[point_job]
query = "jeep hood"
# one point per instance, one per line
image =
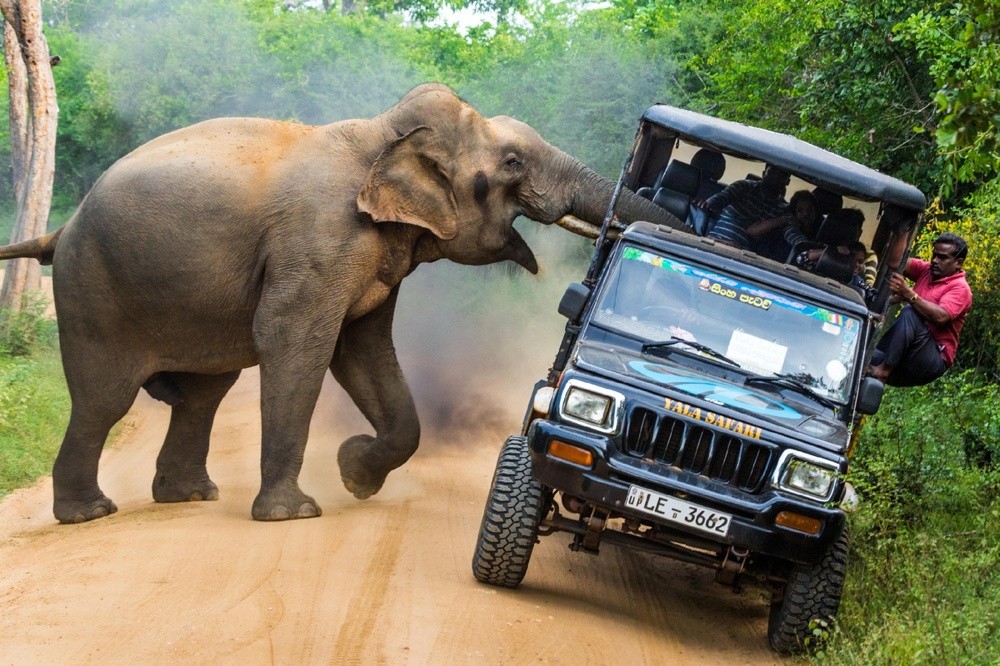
(760, 402)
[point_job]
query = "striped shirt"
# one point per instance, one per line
(741, 204)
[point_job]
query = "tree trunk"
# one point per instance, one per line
(33, 114)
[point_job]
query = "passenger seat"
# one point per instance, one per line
(680, 183)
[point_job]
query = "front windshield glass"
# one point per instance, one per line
(768, 333)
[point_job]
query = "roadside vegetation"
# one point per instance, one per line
(909, 87)
(34, 402)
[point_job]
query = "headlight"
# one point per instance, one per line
(807, 477)
(592, 406)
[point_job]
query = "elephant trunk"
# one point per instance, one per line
(590, 204)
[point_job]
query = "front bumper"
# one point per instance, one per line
(606, 484)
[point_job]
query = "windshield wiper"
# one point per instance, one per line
(674, 340)
(790, 381)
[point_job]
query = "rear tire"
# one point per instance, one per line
(809, 600)
(514, 510)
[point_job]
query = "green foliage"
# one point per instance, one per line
(34, 404)
(831, 72)
(23, 332)
(962, 42)
(923, 586)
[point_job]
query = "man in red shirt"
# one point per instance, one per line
(921, 344)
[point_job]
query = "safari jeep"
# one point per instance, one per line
(705, 400)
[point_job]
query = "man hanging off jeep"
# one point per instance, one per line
(921, 344)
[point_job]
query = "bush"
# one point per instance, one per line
(34, 405)
(23, 332)
(923, 586)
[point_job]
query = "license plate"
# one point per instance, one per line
(678, 511)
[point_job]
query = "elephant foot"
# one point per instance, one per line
(69, 512)
(360, 475)
(168, 490)
(284, 505)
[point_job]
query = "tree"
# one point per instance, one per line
(33, 113)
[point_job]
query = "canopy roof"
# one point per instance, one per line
(818, 166)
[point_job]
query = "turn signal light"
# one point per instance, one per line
(574, 454)
(799, 523)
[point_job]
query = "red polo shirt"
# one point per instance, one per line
(951, 293)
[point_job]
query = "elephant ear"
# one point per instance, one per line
(407, 183)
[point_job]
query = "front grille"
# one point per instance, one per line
(684, 444)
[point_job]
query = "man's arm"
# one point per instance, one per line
(719, 201)
(761, 227)
(929, 310)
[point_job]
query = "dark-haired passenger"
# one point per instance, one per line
(744, 202)
(921, 344)
(775, 237)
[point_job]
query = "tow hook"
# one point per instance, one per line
(732, 566)
(590, 540)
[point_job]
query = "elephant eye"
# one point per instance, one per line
(513, 162)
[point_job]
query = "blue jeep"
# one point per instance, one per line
(705, 400)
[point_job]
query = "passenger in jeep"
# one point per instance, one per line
(921, 344)
(744, 202)
(774, 238)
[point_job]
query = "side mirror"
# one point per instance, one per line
(870, 395)
(573, 301)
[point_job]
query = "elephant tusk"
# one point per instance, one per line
(585, 229)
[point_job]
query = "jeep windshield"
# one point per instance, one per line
(657, 299)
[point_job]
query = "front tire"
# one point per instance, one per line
(513, 513)
(809, 600)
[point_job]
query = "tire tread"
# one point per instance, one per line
(511, 518)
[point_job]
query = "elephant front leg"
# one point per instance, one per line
(365, 364)
(294, 350)
(181, 472)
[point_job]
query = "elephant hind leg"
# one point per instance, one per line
(97, 406)
(181, 471)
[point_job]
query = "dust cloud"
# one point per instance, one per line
(473, 341)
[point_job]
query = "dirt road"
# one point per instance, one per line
(385, 581)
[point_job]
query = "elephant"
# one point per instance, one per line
(240, 242)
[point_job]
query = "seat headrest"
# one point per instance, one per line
(681, 177)
(674, 202)
(827, 201)
(841, 227)
(712, 163)
(834, 265)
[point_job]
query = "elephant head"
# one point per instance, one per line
(465, 178)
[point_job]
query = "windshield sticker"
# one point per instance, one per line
(832, 329)
(720, 393)
(711, 418)
(731, 288)
(716, 288)
(756, 354)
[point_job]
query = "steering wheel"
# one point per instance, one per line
(663, 314)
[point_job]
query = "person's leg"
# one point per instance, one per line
(907, 354)
(922, 365)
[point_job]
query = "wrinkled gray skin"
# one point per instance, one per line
(239, 242)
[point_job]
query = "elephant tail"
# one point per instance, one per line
(41, 248)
